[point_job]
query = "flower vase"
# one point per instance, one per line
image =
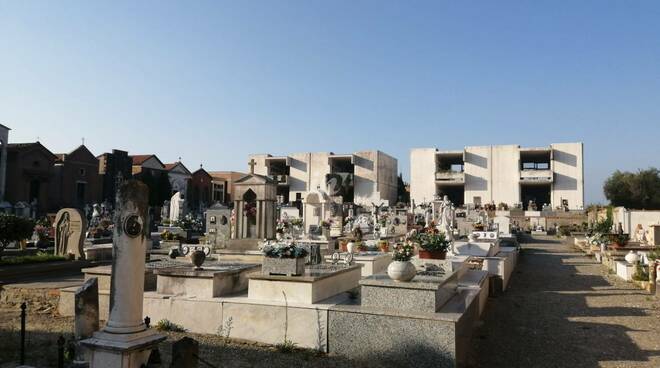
(351, 247)
(401, 271)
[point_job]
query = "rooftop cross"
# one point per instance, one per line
(252, 163)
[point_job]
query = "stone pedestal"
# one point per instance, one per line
(121, 350)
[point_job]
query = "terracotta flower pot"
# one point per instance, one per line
(432, 254)
(343, 246)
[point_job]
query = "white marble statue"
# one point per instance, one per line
(640, 234)
(176, 206)
(446, 217)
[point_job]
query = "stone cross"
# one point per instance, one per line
(252, 163)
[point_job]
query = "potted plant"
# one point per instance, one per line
(400, 269)
(433, 245)
(621, 240)
(283, 259)
(14, 229)
(384, 246)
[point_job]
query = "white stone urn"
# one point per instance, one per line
(351, 247)
(632, 257)
(401, 271)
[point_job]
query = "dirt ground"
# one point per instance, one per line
(43, 330)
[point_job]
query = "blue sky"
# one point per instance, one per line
(214, 81)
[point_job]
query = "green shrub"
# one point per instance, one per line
(165, 325)
(37, 258)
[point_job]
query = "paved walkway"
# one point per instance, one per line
(564, 310)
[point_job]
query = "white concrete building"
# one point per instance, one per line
(363, 177)
(507, 173)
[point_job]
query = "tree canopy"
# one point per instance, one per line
(13, 229)
(640, 190)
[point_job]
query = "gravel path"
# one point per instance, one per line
(564, 310)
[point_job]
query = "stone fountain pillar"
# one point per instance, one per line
(125, 341)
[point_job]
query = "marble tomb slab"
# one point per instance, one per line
(210, 282)
(374, 262)
(477, 249)
(319, 282)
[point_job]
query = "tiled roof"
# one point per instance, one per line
(140, 159)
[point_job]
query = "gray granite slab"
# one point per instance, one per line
(427, 292)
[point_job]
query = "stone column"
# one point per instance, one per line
(128, 249)
(125, 341)
(258, 220)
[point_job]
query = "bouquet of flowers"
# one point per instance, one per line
(283, 250)
(41, 231)
(403, 252)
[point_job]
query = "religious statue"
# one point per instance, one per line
(446, 217)
(96, 216)
(176, 206)
(640, 234)
(62, 233)
(165, 210)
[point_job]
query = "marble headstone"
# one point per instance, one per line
(70, 226)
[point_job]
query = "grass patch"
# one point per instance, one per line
(286, 347)
(165, 325)
(37, 258)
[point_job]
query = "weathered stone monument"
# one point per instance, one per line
(86, 309)
(70, 226)
(125, 341)
(218, 225)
